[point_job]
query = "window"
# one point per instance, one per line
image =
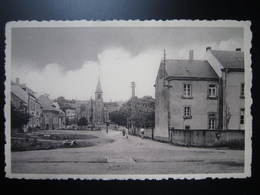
(242, 116)
(212, 121)
(187, 90)
(187, 112)
(242, 90)
(187, 127)
(212, 93)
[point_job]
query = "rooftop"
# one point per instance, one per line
(47, 104)
(229, 59)
(189, 68)
(19, 92)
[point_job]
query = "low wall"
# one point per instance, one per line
(208, 138)
(148, 133)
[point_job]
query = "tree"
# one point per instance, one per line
(83, 107)
(19, 118)
(118, 117)
(138, 112)
(83, 121)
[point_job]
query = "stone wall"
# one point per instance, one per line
(208, 138)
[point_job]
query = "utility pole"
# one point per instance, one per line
(133, 88)
(131, 107)
(167, 86)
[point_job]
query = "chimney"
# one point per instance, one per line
(191, 55)
(238, 49)
(208, 48)
(17, 81)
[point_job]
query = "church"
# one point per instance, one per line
(98, 105)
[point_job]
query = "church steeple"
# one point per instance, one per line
(99, 105)
(99, 88)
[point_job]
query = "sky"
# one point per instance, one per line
(68, 61)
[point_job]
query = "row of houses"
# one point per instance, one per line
(196, 94)
(45, 113)
(42, 112)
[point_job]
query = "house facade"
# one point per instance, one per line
(25, 96)
(200, 94)
(229, 65)
(53, 117)
(19, 98)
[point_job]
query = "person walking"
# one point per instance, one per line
(126, 132)
(123, 131)
(107, 124)
(142, 132)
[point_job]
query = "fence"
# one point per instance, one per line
(208, 138)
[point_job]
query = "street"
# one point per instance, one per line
(128, 156)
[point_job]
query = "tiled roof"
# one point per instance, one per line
(19, 92)
(187, 68)
(230, 59)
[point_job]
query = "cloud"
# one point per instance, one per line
(118, 68)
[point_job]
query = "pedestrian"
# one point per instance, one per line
(126, 133)
(142, 133)
(123, 131)
(107, 124)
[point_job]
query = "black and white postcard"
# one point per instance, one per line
(128, 99)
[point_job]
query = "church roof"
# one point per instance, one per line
(99, 88)
(188, 68)
(230, 59)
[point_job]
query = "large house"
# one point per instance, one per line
(200, 94)
(229, 66)
(23, 95)
(19, 98)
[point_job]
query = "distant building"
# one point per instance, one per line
(53, 117)
(95, 111)
(71, 113)
(200, 94)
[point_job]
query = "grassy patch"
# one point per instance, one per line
(40, 141)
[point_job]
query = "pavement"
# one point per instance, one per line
(128, 156)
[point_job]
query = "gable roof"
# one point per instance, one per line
(19, 92)
(188, 68)
(230, 59)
